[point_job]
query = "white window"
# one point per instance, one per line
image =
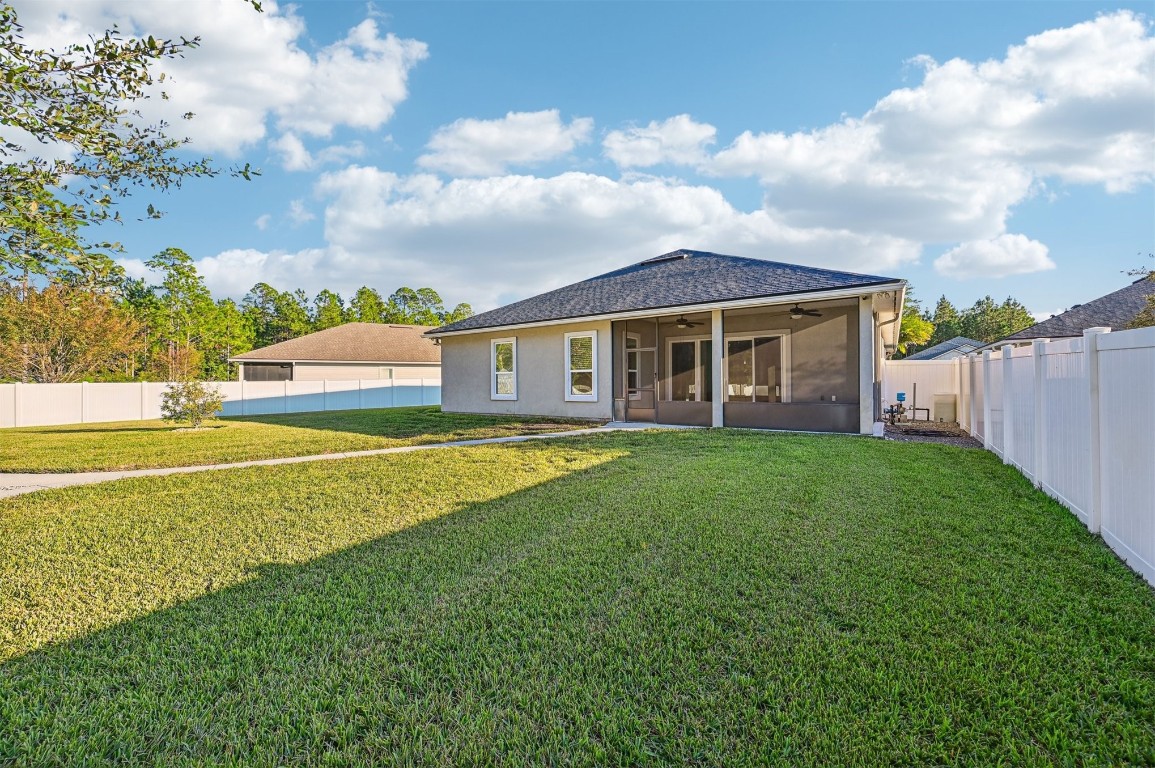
(581, 366)
(503, 369)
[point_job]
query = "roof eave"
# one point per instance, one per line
(752, 301)
(333, 362)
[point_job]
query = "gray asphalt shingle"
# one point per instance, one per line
(679, 278)
(1115, 310)
(354, 342)
(943, 347)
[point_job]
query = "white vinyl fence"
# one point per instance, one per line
(32, 405)
(1076, 416)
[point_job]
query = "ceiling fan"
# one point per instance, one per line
(682, 322)
(797, 312)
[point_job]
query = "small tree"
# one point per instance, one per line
(191, 402)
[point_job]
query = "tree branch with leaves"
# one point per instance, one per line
(75, 143)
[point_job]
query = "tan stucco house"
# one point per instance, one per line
(346, 352)
(689, 337)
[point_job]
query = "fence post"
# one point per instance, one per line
(360, 395)
(972, 414)
(1008, 405)
(285, 402)
(958, 391)
(987, 399)
(1091, 357)
(1040, 437)
(242, 396)
(17, 405)
(143, 398)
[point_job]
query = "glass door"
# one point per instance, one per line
(754, 370)
(640, 368)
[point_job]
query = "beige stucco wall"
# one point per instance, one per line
(541, 385)
(353, 371)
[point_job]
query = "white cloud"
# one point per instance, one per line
(298, 214)
(296, 157)
(1004, 255)
(948, 160)
(677, 140)
(262, 221)
(471, 147)
(251, 69)
(497, 239)
(234, 272)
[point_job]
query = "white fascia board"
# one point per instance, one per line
(790, 298)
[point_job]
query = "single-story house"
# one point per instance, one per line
(689, 337)
(1116, 310)
(349, 351)
(959, 346)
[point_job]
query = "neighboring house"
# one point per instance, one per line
(1115, 311)
(350, 351)
(959, 346)
(688, 338)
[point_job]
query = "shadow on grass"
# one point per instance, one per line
(709, 599)
(409, 421)
(96, 428)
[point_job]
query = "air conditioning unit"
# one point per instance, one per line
(945, 408)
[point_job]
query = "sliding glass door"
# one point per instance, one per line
(754, 370)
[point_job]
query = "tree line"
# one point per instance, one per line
(984, 321)
(74, 327)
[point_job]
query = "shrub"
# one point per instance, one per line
(191, 402)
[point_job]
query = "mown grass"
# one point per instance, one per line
(710, 598)
(146, 444)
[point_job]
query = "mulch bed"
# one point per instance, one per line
(931, 432)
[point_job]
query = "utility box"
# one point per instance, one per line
(945, 408)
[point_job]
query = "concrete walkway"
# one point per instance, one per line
(18, 484)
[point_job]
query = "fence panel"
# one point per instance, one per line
(921, 380)
(29, 405)
(1127, 445)
(1020, 389)
(994, 399)
(978, 395)
(1067, 424)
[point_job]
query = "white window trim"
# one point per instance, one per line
(493, 394)
(570, 397)
(698, 384)
(751, 335)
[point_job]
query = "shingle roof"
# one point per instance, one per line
(679, 278)
(355, 342)
(1115, 310)
(960, 344)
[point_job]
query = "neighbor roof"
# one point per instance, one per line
(960, 344)
(676, 279)
(353, 342)
(1115, 310)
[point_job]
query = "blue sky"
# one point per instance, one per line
(495, 150)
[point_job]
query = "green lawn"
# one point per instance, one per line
(142, 444)
(698, 597)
